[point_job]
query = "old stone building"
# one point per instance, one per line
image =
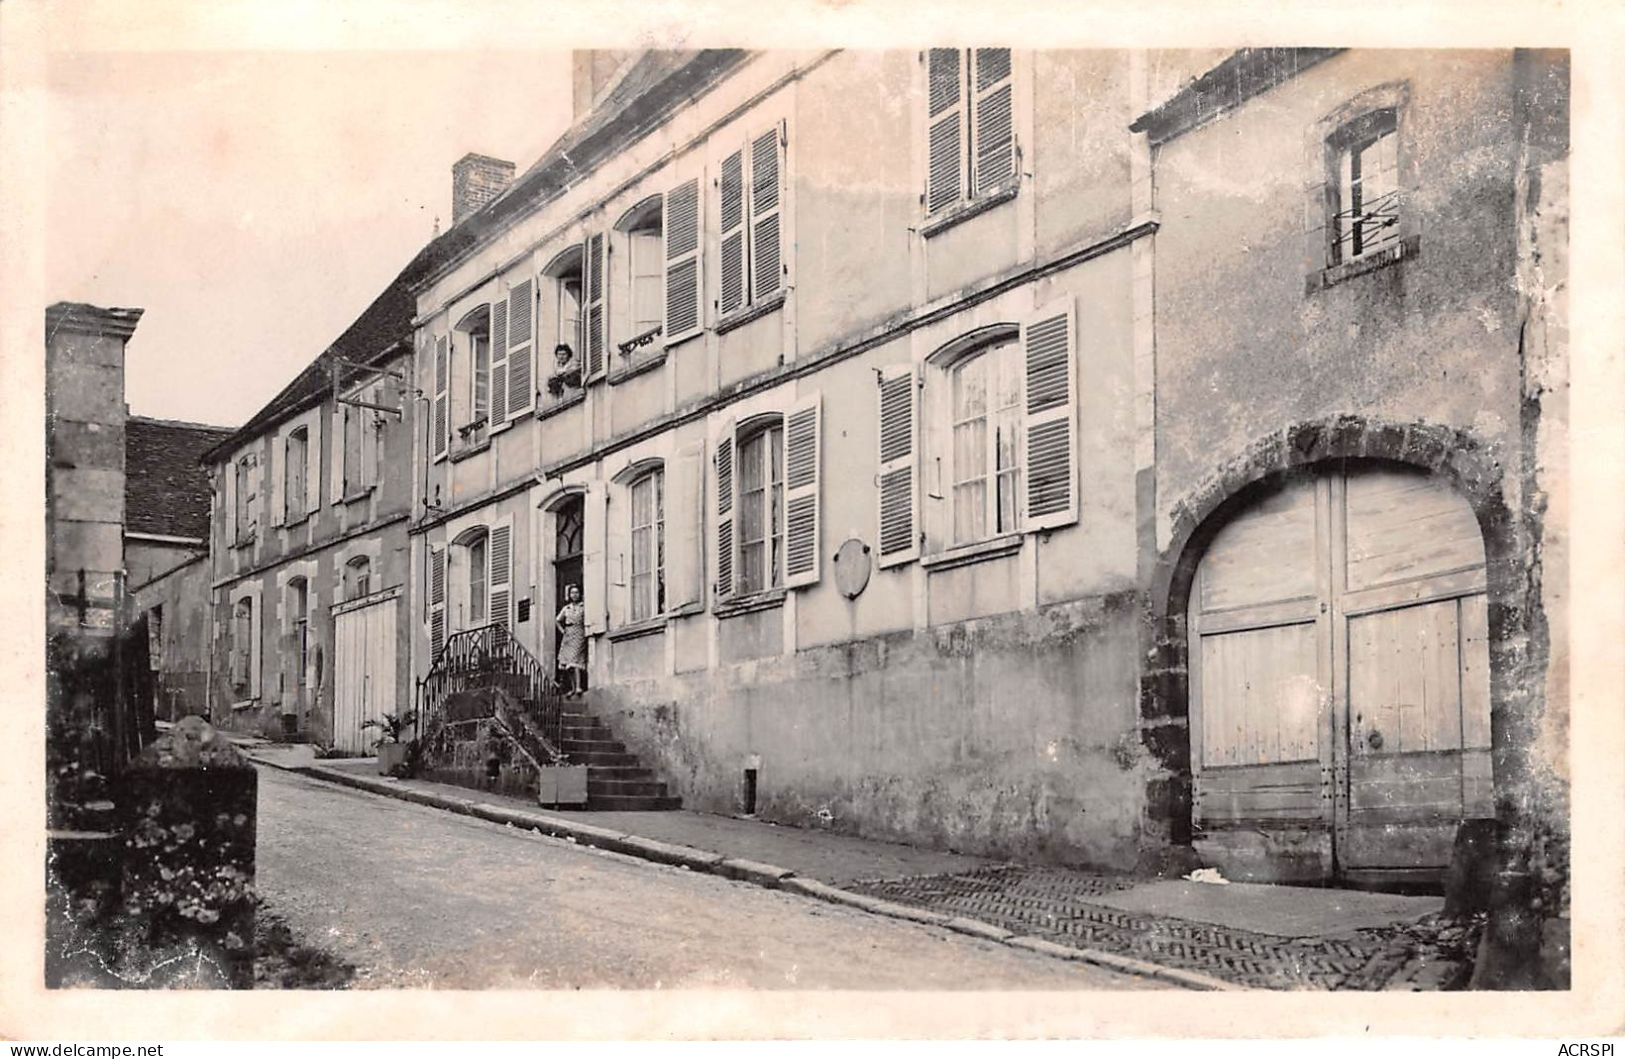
(308, 548)
(166, 547)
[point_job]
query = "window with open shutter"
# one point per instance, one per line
(441, 426)
(766, 176)
(731, 213)
(723, 457)
(593, 294)
(499, 362)
(993, 130)
(801, 478)
(945, 128)
(521, 348)
(681, 222)
(1049, 352)
(899, 441)
(437, 600)
(501, 563)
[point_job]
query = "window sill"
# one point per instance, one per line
(360, 494)
(473, 448)
(555, 406)
(965, 554)
(245, 542)
(296, 522)
(637, 629)
(964, 211)
(1408, 247)
(245, 704)
(648, 362)
(745, 314)
(771, 599)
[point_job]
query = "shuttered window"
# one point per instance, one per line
(751, 192)
(441, 426)
(437, 600)
(970, 148)
(768, 519)
(499, 363)
(985, 444)
(479, 359)
(475, 555)
(761, 507)
(500, 566)
(521, 329)
(1049, 373)
(648, 540)
(899, 440)
(295, 460)
(682, 265)
(593, 336)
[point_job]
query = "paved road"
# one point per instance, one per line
(418, 897)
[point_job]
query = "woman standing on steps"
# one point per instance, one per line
(572, 626)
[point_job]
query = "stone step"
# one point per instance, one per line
(580, 747)
(632, 802)
(601, 731)
(618, 772)
(597, 787)
(605, 759)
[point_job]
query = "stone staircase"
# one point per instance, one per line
(616, 779)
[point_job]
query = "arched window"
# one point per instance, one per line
(476, 329)
(357, 577)
(761, 505)
(985, 447)
(642, 230)
(648, 575)
(474, 577)
(293, 475)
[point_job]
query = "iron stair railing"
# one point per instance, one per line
(489, 657)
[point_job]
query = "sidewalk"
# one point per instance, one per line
(1196, 935)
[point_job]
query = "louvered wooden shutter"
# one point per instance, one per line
(802, 438)
(437, 601)
(723, 457)
(521, 348)
(593, 309)
(335, 458)
(681, 224)
(766, 191)
(731, 218)
(253, 505)
(229, 519)
(500, 559)
(594, 590)
(499, 362)
(279, 462)
(945, 128)
(442, 410)
(899, 441)
(993, 132)
(684, 518)
(313, 463)
(1049, 350)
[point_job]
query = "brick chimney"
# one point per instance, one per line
(475, 180)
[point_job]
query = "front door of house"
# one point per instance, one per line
(569, 531)
(364, 656)
(1339, 679)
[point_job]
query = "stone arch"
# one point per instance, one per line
(1455, 456)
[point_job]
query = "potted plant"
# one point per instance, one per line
(392, 746)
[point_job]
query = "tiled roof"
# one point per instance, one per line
(165, 489)
(632, 107)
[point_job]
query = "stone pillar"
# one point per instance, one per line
(190, 815)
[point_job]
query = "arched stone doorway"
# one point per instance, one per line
(1339, 678)
(1305, 469)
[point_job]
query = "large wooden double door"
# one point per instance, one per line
(1339, 676)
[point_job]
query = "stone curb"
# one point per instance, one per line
(769, 876)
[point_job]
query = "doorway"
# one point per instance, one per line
(569, 532)
(1339, 680)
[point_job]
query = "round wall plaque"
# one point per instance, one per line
(852, 567)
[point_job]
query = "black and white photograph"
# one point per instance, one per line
(530, 510)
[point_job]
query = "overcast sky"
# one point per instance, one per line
(254, 202)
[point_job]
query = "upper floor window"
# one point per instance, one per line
(970, 145)
(476, 329)
(750, 200)
(296, 455)
(648, 582)
(354, 435)
(641, 234)
(564, 293)
(245, 482)
(357, 577)
(1366, 212)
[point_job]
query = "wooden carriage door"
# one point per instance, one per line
(1340, 679)
(1411, 623)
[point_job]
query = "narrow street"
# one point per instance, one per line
(419, 898)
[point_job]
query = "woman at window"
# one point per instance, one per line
(572, 625)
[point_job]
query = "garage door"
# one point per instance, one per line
(364, 642)
(1340, 679)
